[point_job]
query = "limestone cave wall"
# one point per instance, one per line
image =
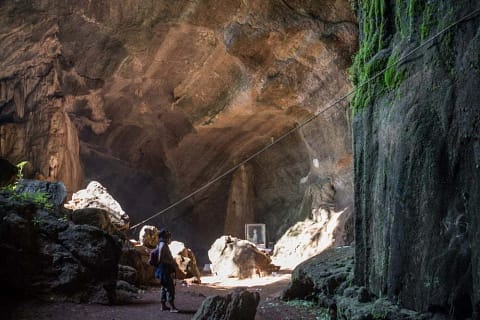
(417, 155)
(155, 98)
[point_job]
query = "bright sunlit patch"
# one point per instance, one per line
(306, 239)
(249, 282)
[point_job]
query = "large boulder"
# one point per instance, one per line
(95, 217)
(148, 236)
(187, 267)
(327, 279)
(310, 237)
(46, 255)
(238, 305)
(135, 256)
(96, 196)
(128, 274)
(322, 275)
(233, 257)
(54, 191)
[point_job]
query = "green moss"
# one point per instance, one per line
(414, 20)
(448, 53)
(411, 10)
(427, 22)
(393, 76)
(40, 200)
(372, 41)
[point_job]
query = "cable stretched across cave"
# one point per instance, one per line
(309, 119)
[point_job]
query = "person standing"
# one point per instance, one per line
(165, 271)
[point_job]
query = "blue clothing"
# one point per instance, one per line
(164, 271)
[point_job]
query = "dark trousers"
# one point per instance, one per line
(164, 273)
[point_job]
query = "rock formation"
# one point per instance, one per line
(238, 305)
(187, 268)
(327, 279)
(135, 256)
(323, 228)
(148, 236)
(95, 198)
(322, 276)
(45, 255)
(56, 192)
(417, 156)
(233, 257)
(160, 97)
(186, 262)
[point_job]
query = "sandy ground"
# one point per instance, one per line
(188, 300)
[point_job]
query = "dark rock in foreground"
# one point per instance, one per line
(238, 305)
(322, 275)
(328, 280)
(47, 256)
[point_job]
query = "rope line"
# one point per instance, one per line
(308, 120)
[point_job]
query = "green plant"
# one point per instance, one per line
(37, 221)
(323, 314)
(38, 198)
(13, 186)
(42, 199)
(20, 167)
(63, 218)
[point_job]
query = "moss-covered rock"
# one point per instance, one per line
(417, 156)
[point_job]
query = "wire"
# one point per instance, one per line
(308, 120)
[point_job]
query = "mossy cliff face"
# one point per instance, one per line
(417, 156)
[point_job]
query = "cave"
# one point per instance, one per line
(156, 102)
(333, 123)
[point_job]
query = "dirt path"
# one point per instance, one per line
(188, 300)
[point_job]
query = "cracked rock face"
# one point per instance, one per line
(417, 162)
(153, 99)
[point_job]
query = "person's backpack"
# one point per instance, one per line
(153, 257)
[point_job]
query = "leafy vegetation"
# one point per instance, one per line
(39, 199)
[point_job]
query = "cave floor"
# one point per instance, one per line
(188, 300)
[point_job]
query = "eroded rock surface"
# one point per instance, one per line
(96, 196)
(324, 228)
(327, 279)
(47, 256)
(233, 257)
(238, 305)
(149, 236)
(417, 159)
(160, 97)
(186, 262)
